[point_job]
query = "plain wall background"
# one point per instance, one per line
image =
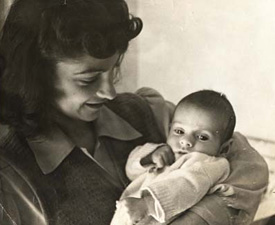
(228, 46)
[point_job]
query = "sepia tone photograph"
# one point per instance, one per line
(137, 112)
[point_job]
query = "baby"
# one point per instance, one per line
(168, 179)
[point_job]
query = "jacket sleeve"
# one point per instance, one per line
(18, 204)
(246, 183)
(162, 109)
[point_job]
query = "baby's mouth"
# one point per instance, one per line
(182, 152)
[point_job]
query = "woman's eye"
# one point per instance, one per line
(87, 81)
(179, 131)
(203, 137)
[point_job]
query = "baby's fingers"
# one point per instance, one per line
(166, 153)
(169, 157)
(159, 161)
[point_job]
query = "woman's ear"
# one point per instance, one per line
(225, 147)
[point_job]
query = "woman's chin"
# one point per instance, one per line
(90, 114)
(90, 117)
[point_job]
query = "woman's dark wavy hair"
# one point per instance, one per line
(38, 33)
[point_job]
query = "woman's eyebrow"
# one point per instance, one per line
(90, 70)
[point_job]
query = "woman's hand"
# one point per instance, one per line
(161, 157)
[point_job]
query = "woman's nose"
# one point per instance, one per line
(186, 143)
(106, 89)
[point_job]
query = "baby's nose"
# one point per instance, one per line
(186, 143)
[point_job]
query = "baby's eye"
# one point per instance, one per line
(203, 137)
(179, 131)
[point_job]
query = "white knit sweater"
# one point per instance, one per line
(177, 187)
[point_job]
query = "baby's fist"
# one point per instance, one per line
(163, 156)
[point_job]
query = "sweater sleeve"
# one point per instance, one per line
(190, 184)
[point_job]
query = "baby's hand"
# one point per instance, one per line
(161, 157)
(130, 211)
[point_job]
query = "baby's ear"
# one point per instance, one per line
(225, 147)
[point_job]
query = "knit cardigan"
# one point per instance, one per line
(79, 192)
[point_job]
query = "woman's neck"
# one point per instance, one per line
(82, 133)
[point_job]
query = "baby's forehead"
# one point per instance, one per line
(188, 108)
(187, 113)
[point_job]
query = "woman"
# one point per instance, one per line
(69, 134)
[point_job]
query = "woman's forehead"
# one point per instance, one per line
(86, 59)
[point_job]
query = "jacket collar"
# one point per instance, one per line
(54, 148)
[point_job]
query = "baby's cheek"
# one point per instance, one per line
(173, 143)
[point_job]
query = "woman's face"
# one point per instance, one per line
(84, 85)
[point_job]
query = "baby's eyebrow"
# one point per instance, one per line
(209, 132)
(176, 122)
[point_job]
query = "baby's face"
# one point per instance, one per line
(195, 130)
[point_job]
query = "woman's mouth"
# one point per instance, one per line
(94, 105)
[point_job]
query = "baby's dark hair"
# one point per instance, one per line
(214, 102)
(39, 33)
